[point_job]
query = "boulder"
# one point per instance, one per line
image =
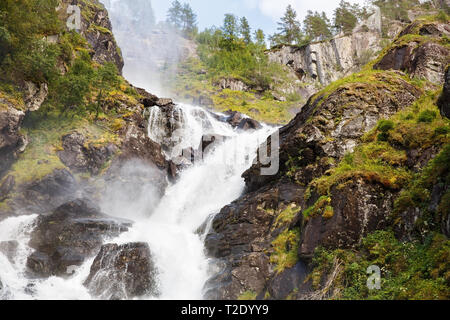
(422, 59)
(69, 235)
(249, 124)
(122, 272)
(84, 158)
(46, 194)
(359, 208)
(234, 118)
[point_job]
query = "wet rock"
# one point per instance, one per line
(209, 142)
(359, 208)
(287, 282)
(84, 158)
(444, 100)
(46, 194)
(234, 118)
(241, 237)
(65, 238)
(249, 124)
(164, 102)
(122, 272)
(9, 249)
(6, 187)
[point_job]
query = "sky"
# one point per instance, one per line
(262, 14)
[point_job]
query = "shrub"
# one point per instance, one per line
(427, 116)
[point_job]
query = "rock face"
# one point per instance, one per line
(81, 158)
(11, 141)
(420, 58)
(35, 95)
(9, 249)
(324, 62)
(444, 100)
(241, 239)
(232, 84)
(96, 28)
(337, 122)
(122, 272)
(65, 238)
(46, 194)
(246, 235)
(359, 209)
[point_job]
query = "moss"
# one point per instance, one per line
(248, 295)
(287, 215)
(285, 250)
(94, 27)
(415, 271)
(381, 158)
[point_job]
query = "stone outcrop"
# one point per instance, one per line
(122, 272)
(232, 84)
(35, 95)
(80, 157)
(321, 63)
(11, 141)
(336, 122)
(96, 28)
(65, 238)
(244, 234)
(421, 58)
(444, 100)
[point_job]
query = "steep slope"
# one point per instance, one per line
(79, 126)
(353, 184)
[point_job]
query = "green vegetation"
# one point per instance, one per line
(248, 296)
(381, 158)
(321, 207)
(287, 215)
(413, 270)
(285, 250)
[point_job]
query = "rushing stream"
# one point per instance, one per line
(171, 230)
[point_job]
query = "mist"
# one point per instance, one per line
(151, 50)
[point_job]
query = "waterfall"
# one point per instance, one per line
(172, 230)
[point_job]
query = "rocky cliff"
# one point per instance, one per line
(320, 63)
(349, 180)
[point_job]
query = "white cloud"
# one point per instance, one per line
(276, 8)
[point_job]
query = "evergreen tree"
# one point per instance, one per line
(230, 27)
(174, 14)
(289, 27)
(260, 38)
(317, 25)
(245, 30)
(345, 17)
(189, 19)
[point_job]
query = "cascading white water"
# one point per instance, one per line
(171, 230)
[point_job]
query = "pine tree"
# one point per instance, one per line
(289, 27)
(174, 14)
(345, 17)
(189, 19)
(317, 25)
(230, 27)
(260, 38)
(245, 30)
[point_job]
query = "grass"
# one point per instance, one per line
(248, 296)
(410, 271)
(285, 250)
(45, 132)
(287, 215)
(381, 158)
